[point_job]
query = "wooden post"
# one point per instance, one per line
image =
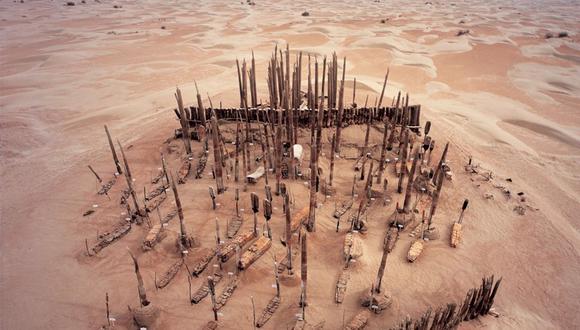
(211, 287)
(140, 286)
(332, 157)
(237, 202)
(439, 180)
(217, 232)
(237, 164)
(403, 162)
(304, 266)
(212, 196)
(278, 152)
(184, 122)
(385, 133)
(183, 239)
(288, 232)
(268, 216)
(441, 162)
(108, 311)
(217, 154)
(320, 115)
(112, 146)
(407, 201)
(367, 135)
(253, 312)
(340, 109)
(268, 151)
(277, 279)
(255, 209)
(129, 180)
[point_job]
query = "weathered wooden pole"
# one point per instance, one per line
(211, 286)
(441, 161)
(212, 196)
(320, 115)
(367, 135)
(403, 161)
(439, 180)
(217, 154)
(304, 266)
(129, 180)
(140, 286)
(340, 109)
(112, 146)
(183, 239)
(200, 108)
(186, 135)
(278, 152)
(332, 157)
(382, 266)
(410, 180)
(268, 216)
(385, 133)
(288, 233)
(255, 209)
(394, 122)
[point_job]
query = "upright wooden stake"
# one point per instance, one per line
(217, 154)
(340, 109)
(332, 157)
(288, 232)
(407, 201)
(304, 266)
(255, 209)
(186, 135)
(441, 161)
(211, 287)
(183, 239)
(129, 180)
(403, 161)
(385, 133)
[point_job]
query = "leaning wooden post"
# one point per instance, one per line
(140, 286)
(129, 180)
(211, 286)
(255, 209)
(441, 161)
(112, 146)
(288, 232)
(377, 288)
(184, 122)
(95, 173)
(304, 266)
(410, 180)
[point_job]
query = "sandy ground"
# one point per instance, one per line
(502, 94)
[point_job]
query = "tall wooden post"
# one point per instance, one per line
(112, 146)
(129, 179)
(332, 157)
(304, 266)
(385, 133)
(217, 154)
(184, 122)
(340, 109)
(183, 239)
(407, 201)
(403, 161)
(439, 180)
(441, 162)
(288, 232)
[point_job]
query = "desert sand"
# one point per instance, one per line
(502, 94)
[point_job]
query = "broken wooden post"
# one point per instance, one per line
(113, 152)
(255, 209)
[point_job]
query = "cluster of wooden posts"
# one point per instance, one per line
(273, 125)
